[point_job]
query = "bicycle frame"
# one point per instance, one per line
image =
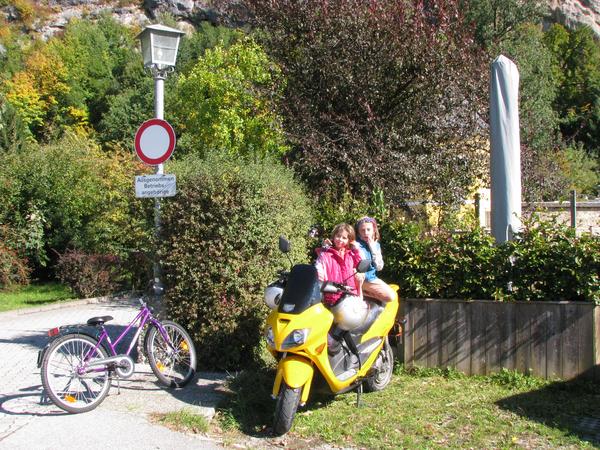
(144, 316)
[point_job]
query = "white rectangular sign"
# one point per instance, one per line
(160, 185)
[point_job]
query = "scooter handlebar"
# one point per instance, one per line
(331, 287)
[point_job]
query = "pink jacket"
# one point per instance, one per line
(332, 267)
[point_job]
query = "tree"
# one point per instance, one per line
(380, 95)
(35, 92)
(494, 20)
(13, 132)
(583, 171)
(66, 83)
(207, 36)
(224, 104)
(576, 65)
(96, 55)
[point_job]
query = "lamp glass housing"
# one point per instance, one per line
(159, 46)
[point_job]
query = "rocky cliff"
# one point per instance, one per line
(192, 12)
(574, 12)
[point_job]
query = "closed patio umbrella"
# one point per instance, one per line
(505, 149)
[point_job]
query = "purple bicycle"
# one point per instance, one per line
(80, 361)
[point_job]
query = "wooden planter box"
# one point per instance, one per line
(479, 337)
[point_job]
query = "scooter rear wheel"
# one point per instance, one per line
(285, 410)
(385, 367)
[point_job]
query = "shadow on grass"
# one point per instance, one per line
(248, 405)
(45, 301)
(571, 406)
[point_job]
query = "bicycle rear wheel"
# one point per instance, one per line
(64, 378)
(173, 361)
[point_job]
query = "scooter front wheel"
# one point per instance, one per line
(285, 410)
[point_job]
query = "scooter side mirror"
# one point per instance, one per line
(363, 266)
(284, 245)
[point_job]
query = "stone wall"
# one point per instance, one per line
(587, 214)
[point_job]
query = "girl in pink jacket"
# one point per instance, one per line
(338, 262)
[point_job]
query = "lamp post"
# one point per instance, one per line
(159, 51)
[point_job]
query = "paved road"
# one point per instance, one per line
(121, 421)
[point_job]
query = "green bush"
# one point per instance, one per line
(13, 264)
(70, 194)
(551, 263)
(219, 250)
(546, 262)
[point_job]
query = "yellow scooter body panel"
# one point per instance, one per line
(386, 319)
(317, 318)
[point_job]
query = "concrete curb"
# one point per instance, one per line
(68, 304)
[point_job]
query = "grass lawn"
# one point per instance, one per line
(37, 294)
(423, 408)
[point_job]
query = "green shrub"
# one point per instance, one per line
(89, 275)
(550, 262)
(13, 264)
(70, 194)
(546, 262)
(219, 250)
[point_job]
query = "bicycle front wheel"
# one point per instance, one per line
(173, 360)
(64, 376)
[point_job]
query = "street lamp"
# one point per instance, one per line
(159, 51)
(159, 46)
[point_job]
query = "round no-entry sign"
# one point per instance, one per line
(154, 141)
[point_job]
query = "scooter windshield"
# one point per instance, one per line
(301, 291)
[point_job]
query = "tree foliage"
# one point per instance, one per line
(67, 84)
(383, 94)
(494, 20)
(13, 132)
(224, 104)
(576, 66)
(206, 36)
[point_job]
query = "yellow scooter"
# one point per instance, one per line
(300, 335)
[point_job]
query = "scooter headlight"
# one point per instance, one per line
(295, 338)
(270, 337)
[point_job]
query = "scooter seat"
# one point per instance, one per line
(95, 321)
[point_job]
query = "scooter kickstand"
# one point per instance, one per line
(359, 391)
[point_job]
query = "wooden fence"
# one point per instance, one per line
(479, 337)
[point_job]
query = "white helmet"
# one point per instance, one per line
(273, 293)
(350, 312)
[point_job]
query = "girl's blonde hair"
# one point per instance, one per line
(339, 228)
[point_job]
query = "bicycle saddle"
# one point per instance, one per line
(95, 321)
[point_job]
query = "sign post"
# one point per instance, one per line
(154, 144)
